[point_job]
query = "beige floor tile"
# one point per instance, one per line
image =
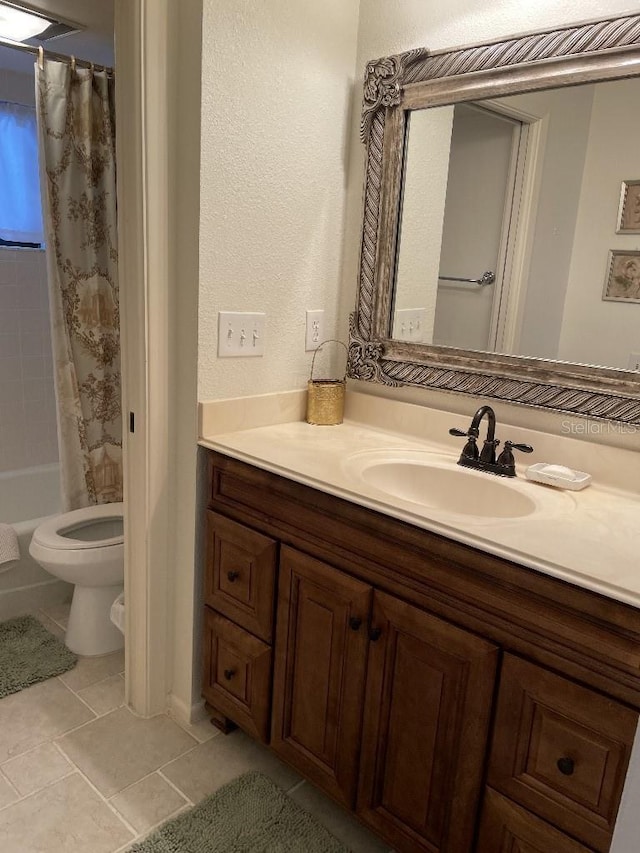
(338, 821)
(36, 715)
(91, 670)
(202, 731)
(212, 764)
(66, 817)
(148, 802)
(7, 794)
(35, 769)
(59, 612)
(104, 696)
(51, 626)
(119, 749)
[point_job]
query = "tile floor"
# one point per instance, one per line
(80, 773)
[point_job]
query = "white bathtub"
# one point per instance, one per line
(26, 498)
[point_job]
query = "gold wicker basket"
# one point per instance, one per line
(325, 397)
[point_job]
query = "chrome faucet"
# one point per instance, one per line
(485, 459)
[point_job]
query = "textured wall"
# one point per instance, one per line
(277, 86)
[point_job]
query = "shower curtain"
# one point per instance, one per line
(76, 122)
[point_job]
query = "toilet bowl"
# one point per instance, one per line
(85, 547)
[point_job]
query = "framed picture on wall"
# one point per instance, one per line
(623, 277)
(629, 210)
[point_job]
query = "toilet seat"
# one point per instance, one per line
(49, 533)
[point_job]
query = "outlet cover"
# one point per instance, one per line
(315, 329)
(240, 334)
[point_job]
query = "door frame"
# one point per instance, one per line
(158, 216)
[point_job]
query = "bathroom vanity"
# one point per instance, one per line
(453, 699)
(455, 660)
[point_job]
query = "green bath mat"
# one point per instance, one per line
(29, 654)
(249, 815)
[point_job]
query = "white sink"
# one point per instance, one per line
(436, 482)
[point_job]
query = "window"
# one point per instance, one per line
(20, 202)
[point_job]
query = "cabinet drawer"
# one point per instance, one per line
(237, 674)
(240, 569)
(561, 750)
(506, 827)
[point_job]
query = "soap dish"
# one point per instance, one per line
(558, 475)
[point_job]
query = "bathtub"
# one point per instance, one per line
(26, 498)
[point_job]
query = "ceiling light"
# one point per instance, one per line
(20, 24)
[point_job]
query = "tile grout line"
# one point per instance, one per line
(102, 797)
(22, 797)
(175, 787)
(145, 833)
(295, 787)
(4, 776)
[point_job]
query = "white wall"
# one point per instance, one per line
(595, 331)
(277, 83)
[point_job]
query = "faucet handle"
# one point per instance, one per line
(524, 448)
(470, 450)
(506, 460)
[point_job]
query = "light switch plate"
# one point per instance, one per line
(240, 334)
(409, 324)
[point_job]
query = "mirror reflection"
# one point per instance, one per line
(520, 226)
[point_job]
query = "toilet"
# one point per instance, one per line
(85, 547)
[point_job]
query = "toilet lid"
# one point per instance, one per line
(58, 532)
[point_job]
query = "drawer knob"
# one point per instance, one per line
(354, 623)
(375, 634)
(229, 673)
(233, 576)
(566, 766)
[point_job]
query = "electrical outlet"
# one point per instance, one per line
(315, 329)
(409, 324)
(240, 334)
(634, 361)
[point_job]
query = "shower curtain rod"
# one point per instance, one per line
(63, 57)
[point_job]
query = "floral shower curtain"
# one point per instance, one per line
(76, 121)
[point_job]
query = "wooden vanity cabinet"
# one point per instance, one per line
(455, 701)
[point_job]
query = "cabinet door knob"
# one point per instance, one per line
(566, 766)
(233, 576)
(375, 634)
(229, 673)
(354, 623)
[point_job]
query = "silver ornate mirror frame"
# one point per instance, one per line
(602, 50)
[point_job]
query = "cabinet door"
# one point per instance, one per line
(427, 708)
(507, 828)
(321, 651)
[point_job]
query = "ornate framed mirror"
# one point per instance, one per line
(500, 254)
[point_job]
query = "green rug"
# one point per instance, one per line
(249, 815)
(29, 654)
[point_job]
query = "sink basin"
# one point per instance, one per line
(435, 481)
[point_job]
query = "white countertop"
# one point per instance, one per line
(590, 538)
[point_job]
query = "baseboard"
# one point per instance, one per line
(183, 713)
